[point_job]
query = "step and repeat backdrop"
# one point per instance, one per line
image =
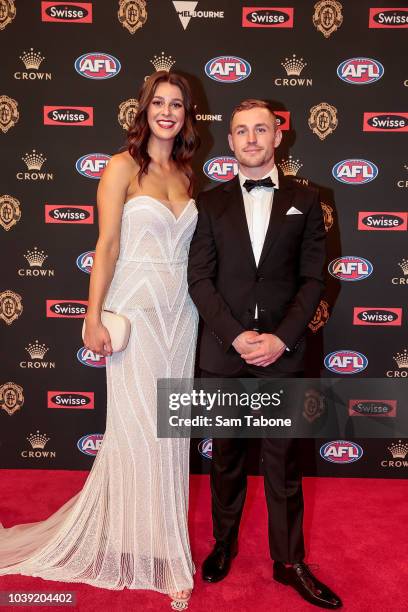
(338, 78)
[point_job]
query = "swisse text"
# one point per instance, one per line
(68, 309)
(67, 116)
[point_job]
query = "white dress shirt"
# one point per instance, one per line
(258, 205)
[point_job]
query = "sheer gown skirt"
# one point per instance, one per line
(127, 527)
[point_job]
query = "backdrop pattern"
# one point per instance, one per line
(336, 75)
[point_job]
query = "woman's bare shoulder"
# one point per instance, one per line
(123, 162)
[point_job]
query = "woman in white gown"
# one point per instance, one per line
(127, 527)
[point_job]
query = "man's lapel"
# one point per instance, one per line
(237, 217)
(281, 203)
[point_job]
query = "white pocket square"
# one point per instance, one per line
(294, 211)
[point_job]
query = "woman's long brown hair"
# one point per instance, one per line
(186, 141)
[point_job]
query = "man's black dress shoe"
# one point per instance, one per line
(306, 584)
(218, 563)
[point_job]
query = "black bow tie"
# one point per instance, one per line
(265, 182)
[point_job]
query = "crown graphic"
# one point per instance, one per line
(398, 450)
(406, 166)
(34, 160)
(35, 258)
(32, 59)
(290, 166)
(403, 264)
(37, 440)
(293, 65)
(163, 62)
(37, 350)
(402, 359)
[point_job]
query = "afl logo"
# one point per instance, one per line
(341, 451)
(91, 359)
(85, 261)
(92, 165)
(221, 169)
(97, 66)
(360, 71)
(90, 444)
(205, 448)
(350, 268)
(355, 171)
(227, 69)
(345, 362)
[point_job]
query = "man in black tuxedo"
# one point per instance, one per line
(256, 276)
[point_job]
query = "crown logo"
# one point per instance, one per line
(37, 440)
(293, 65)
(401, 359)
(32, 59)
(37, 350)
(163, 62)
(35, 258)
(403, 264)
(34, 160)
(398, 450)
(290, 166)
(406, 166)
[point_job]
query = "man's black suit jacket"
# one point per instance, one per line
(225, 283)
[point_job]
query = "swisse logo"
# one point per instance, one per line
(350, 268)
(378, 408)
(355, 171)
(72, 115)
(221, 169)
(267, 17)
(64, 213)
(282, 119)
(360, 71)
(82, 400)
(388, 17)
(90, 444)
(92, 165)
(341, 451)
(91, 359)
(77, 12)
(97, 66)
(377, 316)
(66, 309)
(345, 362)
(205, 448)
(382, 221)
(85, 261)
(385, 122)
(227, 69)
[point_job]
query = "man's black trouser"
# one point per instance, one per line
(282, 480)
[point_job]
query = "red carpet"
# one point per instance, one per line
(356, 530)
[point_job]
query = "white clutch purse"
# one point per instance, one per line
(118, 327)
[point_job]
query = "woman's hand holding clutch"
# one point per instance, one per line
(96, 338)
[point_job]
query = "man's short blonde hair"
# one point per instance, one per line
(252, 103)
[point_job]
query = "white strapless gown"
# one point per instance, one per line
(127, 527)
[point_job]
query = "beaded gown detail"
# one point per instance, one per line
(127, 527)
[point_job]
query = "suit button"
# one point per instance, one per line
(259, 279)
(262, 310)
